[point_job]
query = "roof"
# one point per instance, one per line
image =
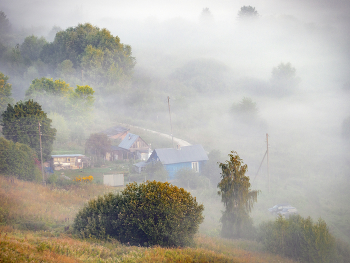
(67, 155)
(128, 141)
(140, 164)
(115, 130)
(192, 153)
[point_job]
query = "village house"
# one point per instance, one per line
(131, 147)
(67, 161)
(116, 132)
(192, 157)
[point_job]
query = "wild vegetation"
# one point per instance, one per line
(294, 87)
(148, 214)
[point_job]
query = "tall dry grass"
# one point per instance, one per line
(20, 201)
(28, 200)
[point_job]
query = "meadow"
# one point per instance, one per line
(35, 220)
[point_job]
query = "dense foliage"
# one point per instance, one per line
(18, 160)
(152, 213)
(21, 124)
(57, 96)
(104, 60)
(237, 197)
(300, 239)
(5, 92)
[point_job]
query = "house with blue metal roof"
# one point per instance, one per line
(192, 157)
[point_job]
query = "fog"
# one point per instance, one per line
(308, 157)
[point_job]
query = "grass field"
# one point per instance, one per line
(34, 220)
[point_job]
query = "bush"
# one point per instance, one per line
(189, 179)
(298, 238)
(152, 213)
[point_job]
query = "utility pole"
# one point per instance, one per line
(171, 126)
(41, 155)
(267, 155)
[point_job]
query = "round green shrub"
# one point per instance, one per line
(151, 213)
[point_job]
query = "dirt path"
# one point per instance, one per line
(177, 141)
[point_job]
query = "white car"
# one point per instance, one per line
(288, 211)
(278, 208)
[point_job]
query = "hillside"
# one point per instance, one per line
(34, 221)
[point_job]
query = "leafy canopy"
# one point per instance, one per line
(237, 197)
(57, 96)
(18, 160)
(152, 213)
(21, 124)
(102, 57)
(5, 92)
(298, 238)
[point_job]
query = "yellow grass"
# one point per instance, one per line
(20, 201)
(34, 201)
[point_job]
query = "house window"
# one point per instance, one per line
(195, 167)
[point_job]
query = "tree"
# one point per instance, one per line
(206, 15)
(97, 144)
(148, 214)
(31, 48)
(283, 79)
(58, 96)
(18, 160)
(245, 110)
(21, 124)
(5, 92)
(237, 197)
(104, 60)
(247, 12)
(5, 27)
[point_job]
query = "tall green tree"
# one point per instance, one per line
(17, 159)
(105, 61)
(5, 92)
(237, 197)
(31, 48)
(21, 124)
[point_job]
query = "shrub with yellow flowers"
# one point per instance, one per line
(147, 214)
(85, 179)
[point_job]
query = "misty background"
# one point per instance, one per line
(208, 64)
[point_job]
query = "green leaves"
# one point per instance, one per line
(21, 124)
(152, 213)
(17, 160)
(298, 238)
(5, 92)
(237, 197)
